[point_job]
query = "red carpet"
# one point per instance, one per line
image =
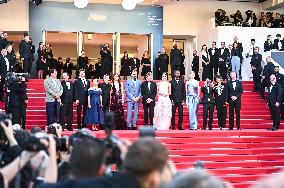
(240, 157)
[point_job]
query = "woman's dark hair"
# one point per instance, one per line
(119, 80)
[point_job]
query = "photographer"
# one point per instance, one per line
(107, 60)
(17, 100)
(237, 18)
(251, 18)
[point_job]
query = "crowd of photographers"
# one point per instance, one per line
(266, 19)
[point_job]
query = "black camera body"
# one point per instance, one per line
(51, 129)
(33, 142)
(13, 77)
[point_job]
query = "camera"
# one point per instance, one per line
(13, 77)
(3, 118)
(34, 142)
(146, 131)
(51, 129)
(111, 141)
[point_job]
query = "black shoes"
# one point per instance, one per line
(272, 129)
(261, 97)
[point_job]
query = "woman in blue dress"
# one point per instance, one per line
(94, 114)
(192, 100)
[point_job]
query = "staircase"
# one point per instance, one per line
(239, 157)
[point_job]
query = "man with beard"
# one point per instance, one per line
(177, 97)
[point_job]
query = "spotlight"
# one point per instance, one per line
(37, 2)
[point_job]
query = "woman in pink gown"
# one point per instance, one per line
(163, 107)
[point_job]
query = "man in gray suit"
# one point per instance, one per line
(53, 90)
(133, 96)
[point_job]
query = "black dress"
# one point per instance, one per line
(117, 107)
(39, 64)
(125, 67)
(206, 73)
(145, 69)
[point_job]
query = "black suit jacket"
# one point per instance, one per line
(213, 58)
(280, 80)
(81, 92)
(238, 91)
(68, 68)
(223, 55)
(177, 91)
(207, 96)
(134, 65)
(176, 56)
(106, 88)
(268, 46)
(82, 62)
(275, 46)
(220, 99)
(67, 96)
(17, 95)
(146, 93)
(195, 63)
(164, 58)
(268, 70)
(256, 60)
(25, 50)
(3, 67)
(274, 95)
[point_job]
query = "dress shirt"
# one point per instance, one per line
(149, 85)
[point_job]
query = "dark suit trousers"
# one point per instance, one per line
(275, 113)
(256, 80)
(234, 107)
(180, 114)
(2, 83)
(195, 70)
(106, 107)
(221, 115)
(222, 70)
(208, 109)
(66, 115)
(282, 105)
(27, 66)
(18, 115)
(81, 119)
(148, 112)
(265, 83)
(52, 112)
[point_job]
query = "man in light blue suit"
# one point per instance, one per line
(133, 96)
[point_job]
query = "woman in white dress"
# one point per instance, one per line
(163, 107)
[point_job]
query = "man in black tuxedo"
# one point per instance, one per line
(280, 81)
(268, 70)
(106, 89)
(135, 63)
(176, 60)
(107, 60)
(273, 102)
(66, 105)
(148, 92)
(278, 43)
(164, 60)
(82, 62)
(223, 54)
(17, 100)
(89, 70)
(3, 71)
(158, 66)
(208, 103)
(81, 86)
(256, 67)
(195, 64)
(214, 59)
(177, 97)
(11, 57)
(68, 67)
(26, 53)
(234, 97)
(268, 44)
(220, 93)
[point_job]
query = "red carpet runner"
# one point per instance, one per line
(240, 157)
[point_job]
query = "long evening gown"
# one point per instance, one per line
(117, 107)
(206, 73)
(192, 102)
(163, 108)
(94, 115)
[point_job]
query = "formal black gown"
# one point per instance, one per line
(206, 73)
(116, 106)
(145, 69)
(39, 64)
(125, 67)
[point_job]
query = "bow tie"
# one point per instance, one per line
(134, 79)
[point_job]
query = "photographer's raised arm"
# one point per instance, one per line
(51, 171)
(8, 130)
(11, 170)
